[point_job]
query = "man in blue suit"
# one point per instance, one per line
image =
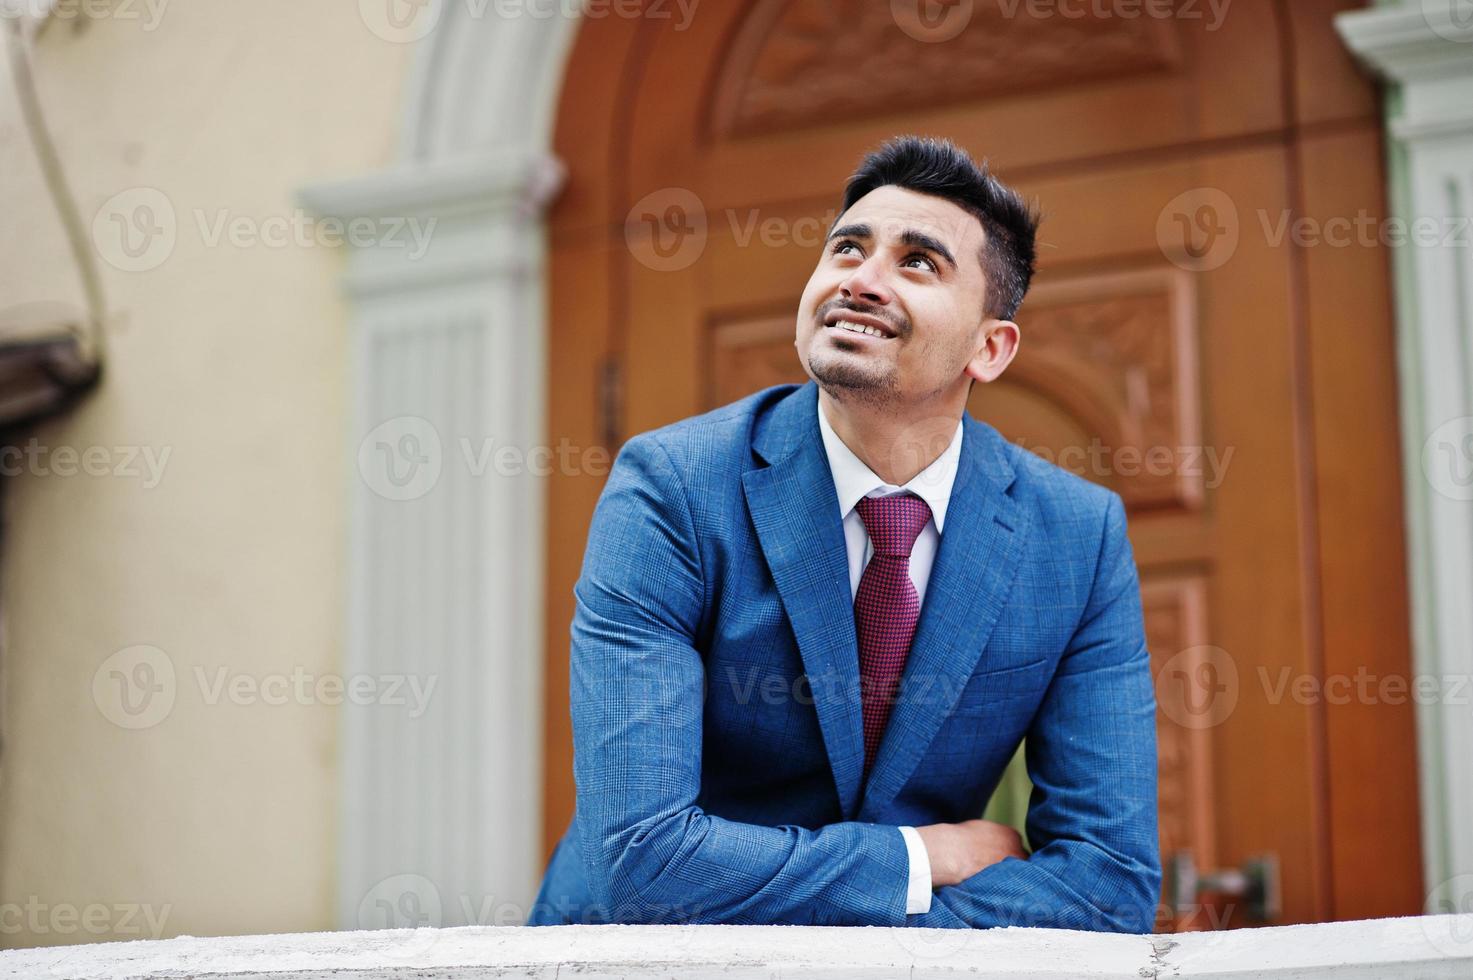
(813, 626)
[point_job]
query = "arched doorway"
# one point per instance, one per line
(1182, 344)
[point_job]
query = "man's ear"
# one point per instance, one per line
(994, 354)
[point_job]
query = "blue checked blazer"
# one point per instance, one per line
(717, 734)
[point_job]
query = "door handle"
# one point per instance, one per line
(1255, 883)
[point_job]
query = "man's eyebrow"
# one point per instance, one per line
(918, 239)
(909, 237)
(859, 230)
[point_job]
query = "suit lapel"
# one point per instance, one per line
(795, 510)
(973, 572)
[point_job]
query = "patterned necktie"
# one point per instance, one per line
(886, 606)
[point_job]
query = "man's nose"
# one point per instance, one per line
(866, 282)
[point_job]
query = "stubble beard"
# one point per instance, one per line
(844, 379)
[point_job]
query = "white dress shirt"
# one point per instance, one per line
(853, 480)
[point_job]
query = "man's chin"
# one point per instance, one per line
(840, 377)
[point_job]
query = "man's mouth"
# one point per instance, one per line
(860, 324)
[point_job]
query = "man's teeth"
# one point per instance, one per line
(860, 328)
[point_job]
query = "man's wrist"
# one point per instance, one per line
(918, 888)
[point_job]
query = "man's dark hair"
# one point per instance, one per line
(939, 167)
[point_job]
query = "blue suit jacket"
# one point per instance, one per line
(715, 704)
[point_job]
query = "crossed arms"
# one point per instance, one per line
(652, 855)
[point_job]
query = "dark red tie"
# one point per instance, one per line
(886, 606)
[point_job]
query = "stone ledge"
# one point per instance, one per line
(1422, 947)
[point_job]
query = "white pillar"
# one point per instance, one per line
(441, 809)
(1424, 50)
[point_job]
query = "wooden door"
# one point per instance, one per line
(1235, 384)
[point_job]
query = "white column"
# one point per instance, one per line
(1424, 50)
(441, 815)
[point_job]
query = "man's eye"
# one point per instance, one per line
(918, 257)
(839, 246)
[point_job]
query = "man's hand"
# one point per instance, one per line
(959, 850)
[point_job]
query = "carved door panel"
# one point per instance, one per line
(1169, 352)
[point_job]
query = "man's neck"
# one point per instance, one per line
(895, 445)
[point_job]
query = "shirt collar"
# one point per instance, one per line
(853, 479)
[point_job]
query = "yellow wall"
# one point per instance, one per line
(220, 818)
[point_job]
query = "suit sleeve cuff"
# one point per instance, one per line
(918, 892)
